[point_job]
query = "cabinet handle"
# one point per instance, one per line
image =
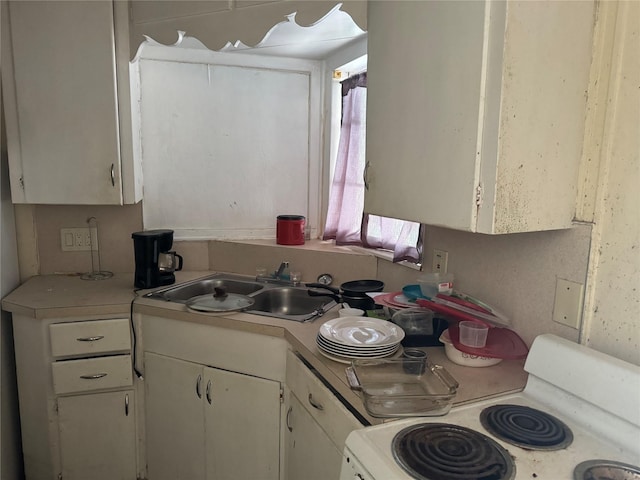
(113, 175)
(126, 405)
(93, 376)
(209, 392)
(289, 427)
(90, 339)
(315, 404)
(199, 386)
(365, 175)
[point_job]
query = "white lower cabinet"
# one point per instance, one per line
(311, 455)
(317, 425)
(208, 423)
(97, 436)
(77, 398)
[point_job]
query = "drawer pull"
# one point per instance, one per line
(199, 386)
(93, 376)
(315, 404)
(90, 339)
(209, 392)
(126, 405)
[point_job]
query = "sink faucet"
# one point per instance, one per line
(280, 276)
(280, 273)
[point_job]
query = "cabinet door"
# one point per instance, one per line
(62, 120)
(98, 436)
(483, 129)
(174, 419)
(311, 455)
(242, 415)
(422, 123)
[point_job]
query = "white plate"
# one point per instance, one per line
(346, 353)
(361, 356)
(361, 331)
(347, 360)
(365, 347)
(355, 350)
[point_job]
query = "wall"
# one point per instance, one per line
(10, 440)
(612, 311)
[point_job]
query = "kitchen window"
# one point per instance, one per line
(230, 141)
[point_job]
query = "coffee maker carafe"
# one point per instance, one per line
(155, 262)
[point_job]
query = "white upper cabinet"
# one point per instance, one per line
(475, 114)
(65, 81)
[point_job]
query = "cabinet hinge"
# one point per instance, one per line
(281, 394)
(479, 195)
(21, 182)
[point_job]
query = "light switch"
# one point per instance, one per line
(68, 239)
(567, 308)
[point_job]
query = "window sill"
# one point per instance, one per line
(330, 246)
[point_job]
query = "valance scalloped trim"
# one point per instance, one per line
(335, 26)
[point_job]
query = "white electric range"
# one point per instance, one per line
(578, 405)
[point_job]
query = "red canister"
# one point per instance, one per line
(290, 230)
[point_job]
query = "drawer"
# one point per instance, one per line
(92, 374)
(319, 401)
(90, 337)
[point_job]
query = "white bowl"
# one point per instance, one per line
(350, 312)
(462, 358)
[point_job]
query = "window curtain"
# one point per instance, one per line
(347, 223)
(346, 195)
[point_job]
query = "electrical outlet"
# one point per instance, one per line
(440, 261)
(76, 239)
(567, 308)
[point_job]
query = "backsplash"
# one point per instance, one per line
(516, 273)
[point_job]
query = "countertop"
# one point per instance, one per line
(61, 296)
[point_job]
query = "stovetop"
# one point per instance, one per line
(598, 427)
(372, 445)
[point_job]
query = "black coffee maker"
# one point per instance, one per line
(155, 262)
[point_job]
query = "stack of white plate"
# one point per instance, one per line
(346, 338)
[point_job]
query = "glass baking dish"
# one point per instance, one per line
(402, 387)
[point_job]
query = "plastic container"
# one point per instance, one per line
(473, 334)
(421, 327)
(290, 230)
(431, 284)
(402, 387)
(501, 343)
(466, 359)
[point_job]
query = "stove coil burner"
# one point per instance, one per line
(605, 470)
(441, 451)
(526, 427)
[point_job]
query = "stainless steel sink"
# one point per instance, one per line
(182, 292)
(271, 299)
(291, 303)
